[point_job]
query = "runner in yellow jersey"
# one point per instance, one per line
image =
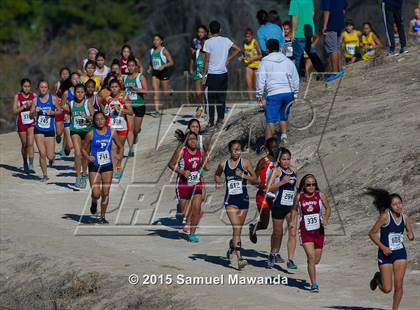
(350, 43)
(251, 56)
(370, 42)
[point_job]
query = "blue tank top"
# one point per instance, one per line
(101, 148)
(44, 122)
(416, 26)
(235, 185)
(286, 193)
(70, 95)
(392, 234)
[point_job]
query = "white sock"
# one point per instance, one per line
(283, 136)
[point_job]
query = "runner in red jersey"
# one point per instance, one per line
(116, 109)
(187, 162)
(263, 170)
(314, 213)
(24, 123)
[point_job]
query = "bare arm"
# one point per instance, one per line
(377, 41)
(326, 19)
(252, 177)
(16, 108)
(326, 203)
(168, 56)
(218, 175)
(409, 228)
(86, 146)
(236, 51)
(373, 233)
(273, 187)
(173, 162)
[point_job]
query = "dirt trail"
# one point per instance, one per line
(52, 256)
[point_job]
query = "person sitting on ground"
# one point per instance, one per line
(278, 76)
(350, 43)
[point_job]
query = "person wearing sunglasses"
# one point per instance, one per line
(314, 213)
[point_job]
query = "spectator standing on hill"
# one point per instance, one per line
(392, 12)
(334, 11)
(267, 31)
(217, 58)
(302, 13)
(278, 76)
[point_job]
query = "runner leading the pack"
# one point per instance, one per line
(97, 150)
(238, 171)
(282, 183)
(160, 64)
(44, 109)
(314, 212)
(392, 256)
(263, 170)
(187, 163)
(136, 86)
(80, 118)
(25, 124)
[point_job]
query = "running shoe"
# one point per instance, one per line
(186, 228)
(83, 180)
(61, 152)
(403, 50)
(252, 233)
(44, 179)
(291, 264)
(102, 220)
(26, 167)
(31, 167)
(278, 258)
(58, 139)
(271, 260)
(130, 152)
(392, 53)
(314, 288)
(78, 182)
(375, 281)
(94, 206)
(193, 238)
(242, 263)
(284, 142)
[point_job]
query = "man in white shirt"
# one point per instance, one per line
(217, 57)
(277, 75)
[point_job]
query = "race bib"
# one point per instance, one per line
(79, 122)
(287, 198)
(234, 187)
(351, 49)
(26, 119)
(193, 178)
(117, 123)
(132, 95)
(103, 158)
(156, 63)
(395, 241)
(44, 121)
(312, 221)
(289, 50)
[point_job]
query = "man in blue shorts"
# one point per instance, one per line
(277, 75)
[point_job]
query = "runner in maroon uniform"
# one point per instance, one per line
(314, 213)
(187, 162)
(24, 123)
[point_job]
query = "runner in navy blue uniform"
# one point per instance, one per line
(237, 172)
(392, 256)
(282, 184)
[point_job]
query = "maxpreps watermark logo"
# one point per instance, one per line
(144, 201)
